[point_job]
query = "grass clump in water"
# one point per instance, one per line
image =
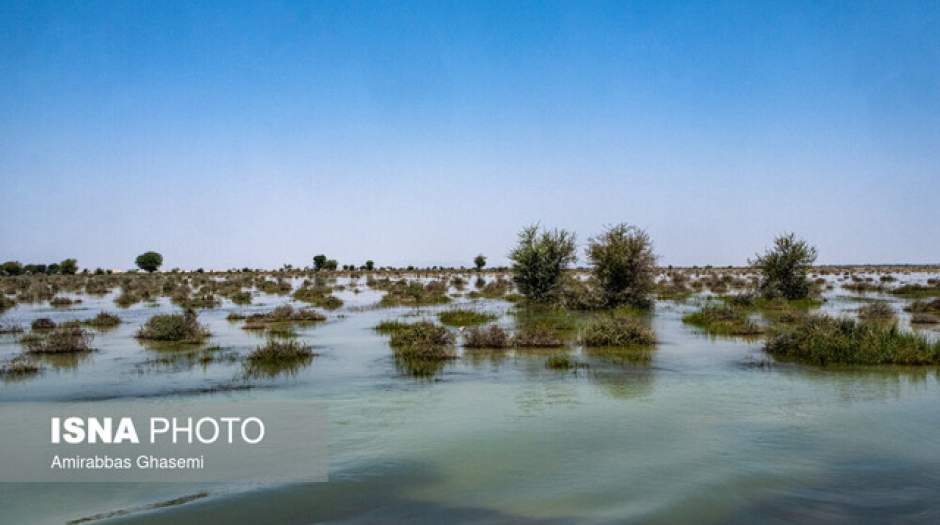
(281, 315)
(916, 291)
(391, 326)
(422, 348)
(823, 340)
(18, 368)
(877, 312)
(489, 337)
(616, 331)
(66, 339)
(183, 328)
(723, 319)
(103, 320)
(413, 293)
(459, 317)
(275, 351)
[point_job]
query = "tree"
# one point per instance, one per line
(11, 268)
(35, 269)
(319, 261)
(330, 265)
(149, 261)
(369, 265)
(68, 267)
(479, 261)
(539, 260)
(784, 268)
(624, 265)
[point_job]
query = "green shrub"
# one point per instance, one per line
(149, 261)
(183, 328)
(19, 367)
(624, 265)
(539, 260)
(784, 268)
(424, 340)
(43, 323)
(280, 350)
(617, 331)
(823, 340)
(537, 336)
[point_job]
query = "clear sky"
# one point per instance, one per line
(259, 133)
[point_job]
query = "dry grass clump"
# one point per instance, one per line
(922, 318)
(413, 293)
(103, 320)
(823, 340)
(66, 339)
(183, 328)
(924, 307)
(617, 331)
(62, 302)
(724, 319)
(19, 367)
(876, 312)
(916, 290)
(282, 314)
(489, 337)
(318, 296)
(537, 336)
(390, 326)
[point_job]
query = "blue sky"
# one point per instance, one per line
(230, 134)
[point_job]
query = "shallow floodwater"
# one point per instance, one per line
(699, 430)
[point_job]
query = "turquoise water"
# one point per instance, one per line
(700, 430)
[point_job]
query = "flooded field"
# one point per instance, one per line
(695, 428)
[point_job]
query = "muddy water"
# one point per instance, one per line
(699, 430)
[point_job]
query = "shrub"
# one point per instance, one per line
(174, 328)
(19, 367)
(61, 302)
(413, 293)
(616, 331)
(422, 340)
(65, 339)
(490, 337)
(876, 312)
(537, 336)
(724, 319)
(68, 267)
(318, 296)
(823, 340)
(390, 327)
(283, 314)
(924, 307)
(479, 262)
(458, 317)
(784, 268)
(916, 290)
(623, 265)
(6, 303)
(921, 318)
(539, 260)
(279, 350)
(43, 323)
(103, 320)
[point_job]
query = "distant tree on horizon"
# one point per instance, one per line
(149, 261)
(479, 262)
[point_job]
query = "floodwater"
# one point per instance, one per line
(700, 429)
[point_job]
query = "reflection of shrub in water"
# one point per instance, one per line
(563, 362)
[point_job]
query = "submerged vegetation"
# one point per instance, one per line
(724, 319)
(617, 331)
(462, 317)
